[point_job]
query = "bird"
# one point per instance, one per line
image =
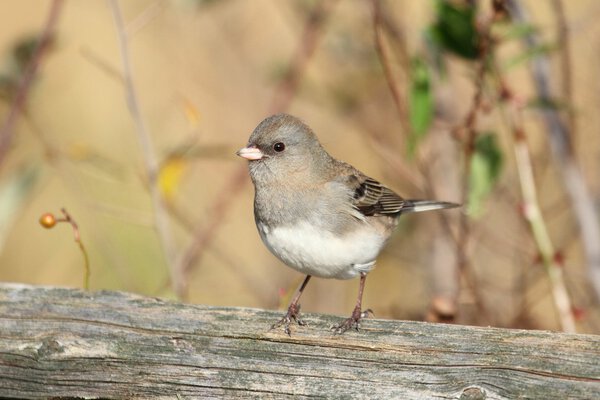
(318, 215)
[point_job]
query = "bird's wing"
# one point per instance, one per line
(372, 198)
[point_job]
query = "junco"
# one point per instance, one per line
(319, 215)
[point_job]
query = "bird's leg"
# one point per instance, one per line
(357, 314)
(293, 312)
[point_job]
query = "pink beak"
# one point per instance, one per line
(250, 153)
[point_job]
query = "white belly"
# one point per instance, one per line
(321, 253)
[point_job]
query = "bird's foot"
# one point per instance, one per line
(353, 322)
(293, 314)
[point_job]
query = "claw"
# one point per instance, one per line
(367, 313)
(293, 314)
(351, 323)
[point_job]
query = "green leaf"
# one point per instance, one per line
(454, 29)
(486, 165)
(420, 104)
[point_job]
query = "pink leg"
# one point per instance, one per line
(357, 314)
(293, 312)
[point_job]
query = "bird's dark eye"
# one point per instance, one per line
(279, 147)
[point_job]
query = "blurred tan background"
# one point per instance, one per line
(206, 73)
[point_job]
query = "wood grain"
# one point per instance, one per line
(57, 342)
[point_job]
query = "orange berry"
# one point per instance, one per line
(47, 220)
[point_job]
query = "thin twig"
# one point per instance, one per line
(468, 133)
(205, 233)
(77, 236)
(48, 221)
(390, 156)
(381, 22)
(562, 150)
(288, 86)
(283, 95)
(150, 160)
(429, 191)
(549, 257)
(382, 25)
(103, 65)
(144, 17)
(7, 130)
(223, 253)
(533, 214)
(384, 59)
(564, 45)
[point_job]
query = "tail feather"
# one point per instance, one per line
(426, 205)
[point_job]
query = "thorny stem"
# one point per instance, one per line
(582, 202)
(532, 210)
(533, 215)
(468, 133)
(383, 25)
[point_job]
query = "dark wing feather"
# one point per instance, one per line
(372, 198)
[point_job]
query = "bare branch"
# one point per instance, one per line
(565, 64)
(288, 86)
(150, 160)
(7, 130)
(558, 133)
(384, 58)
(284, 93)
(533, 214)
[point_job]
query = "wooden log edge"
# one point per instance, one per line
(59, 342)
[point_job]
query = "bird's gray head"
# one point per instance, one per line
(281, 147)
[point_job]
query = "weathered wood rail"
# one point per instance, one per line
(72, 344)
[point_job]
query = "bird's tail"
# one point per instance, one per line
(426, 205)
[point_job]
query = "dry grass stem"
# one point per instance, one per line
(161, 219)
